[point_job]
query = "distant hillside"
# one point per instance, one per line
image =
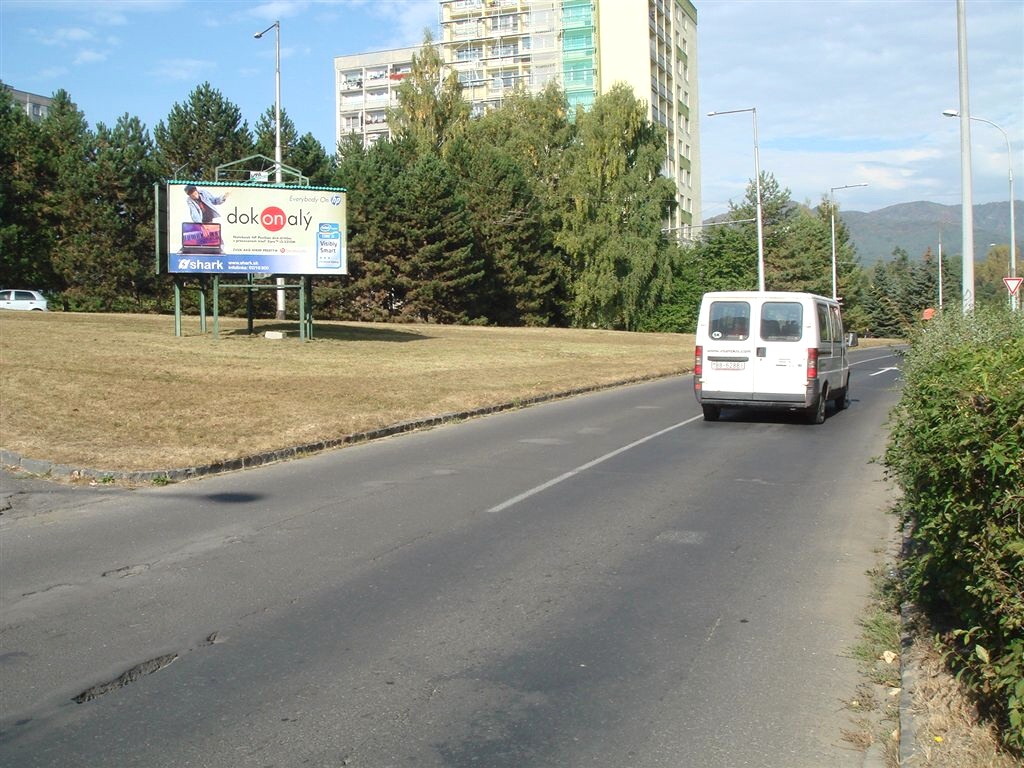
(916, 227)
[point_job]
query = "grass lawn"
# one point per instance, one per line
(123, 393)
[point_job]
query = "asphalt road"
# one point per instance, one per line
(605, 580)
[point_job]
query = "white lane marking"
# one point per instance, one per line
(883, 370)
(871, 360)
(589, 465)
(681, 537)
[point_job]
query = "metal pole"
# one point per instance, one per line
(966, 190)
(1013, 229)
(757, 187)
(276, 26)
(832, 209)
(277, 149)
(760, 217)
(1009, 165)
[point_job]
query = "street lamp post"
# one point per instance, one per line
(757, 187)
(832, 210)
(276, 26)
(1009, 162)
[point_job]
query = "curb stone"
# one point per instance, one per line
(908, 680)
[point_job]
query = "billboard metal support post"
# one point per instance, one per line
(216, 306)
(177, 307)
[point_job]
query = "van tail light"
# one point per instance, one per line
(812, 364)
(698, 360)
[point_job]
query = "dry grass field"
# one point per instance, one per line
(123, 393)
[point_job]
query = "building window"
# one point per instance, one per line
(578, 40)
(505, 50)
(579, 73)
(468, 54)
(577, 14)
(508, 22)
(470, 78)
(542, 42)
(541, 20)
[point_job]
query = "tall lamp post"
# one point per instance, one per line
(276, 26)
(757, 186)
(1009, 162)
(832, 209)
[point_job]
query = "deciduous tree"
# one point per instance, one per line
(431, 111)
(616, 201)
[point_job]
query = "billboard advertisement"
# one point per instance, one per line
(217, 228)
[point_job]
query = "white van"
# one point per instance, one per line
(771, 349)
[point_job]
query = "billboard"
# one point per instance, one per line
(217, 228)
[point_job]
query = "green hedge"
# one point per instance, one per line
(957, 451)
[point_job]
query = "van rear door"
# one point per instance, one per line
(780, 370)
(729, 352)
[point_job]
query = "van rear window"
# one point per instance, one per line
(730, 320)
(782, 321)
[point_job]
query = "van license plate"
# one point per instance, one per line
(727, 365)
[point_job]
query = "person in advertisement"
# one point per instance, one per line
(201, 202)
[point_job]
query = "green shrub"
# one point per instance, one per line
(957, 452)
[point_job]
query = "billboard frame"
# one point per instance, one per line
(300, 281)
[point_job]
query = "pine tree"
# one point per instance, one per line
(265, 135)
(524, 285)
(378, 243)
(310, 157)
(122, 256)
(25, 231)
(68, 192)
(205, 132)
(443, 276)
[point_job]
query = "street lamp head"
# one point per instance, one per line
(731, 111)
(275, 25)
(951, 112)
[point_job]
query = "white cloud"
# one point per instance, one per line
(63, 35)
(851, 89)
(183, 69)
(88, 56)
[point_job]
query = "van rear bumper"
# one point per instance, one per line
(758, 399)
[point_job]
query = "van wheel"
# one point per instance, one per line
(816, 413)
(711, 412)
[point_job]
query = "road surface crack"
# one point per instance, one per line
(126, 678)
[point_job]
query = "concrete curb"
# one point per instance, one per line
(908, 680)
(52, 470)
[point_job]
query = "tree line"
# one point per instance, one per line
(526, 215)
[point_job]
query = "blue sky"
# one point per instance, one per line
(847, 92)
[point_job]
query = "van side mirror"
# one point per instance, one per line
(851, 339)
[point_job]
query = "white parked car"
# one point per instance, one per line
(19, 299)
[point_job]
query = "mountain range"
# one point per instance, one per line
(916, 227)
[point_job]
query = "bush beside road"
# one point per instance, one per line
(957, 452)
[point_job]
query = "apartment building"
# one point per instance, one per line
(365, 85)
(586, 46)
(35, 106)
